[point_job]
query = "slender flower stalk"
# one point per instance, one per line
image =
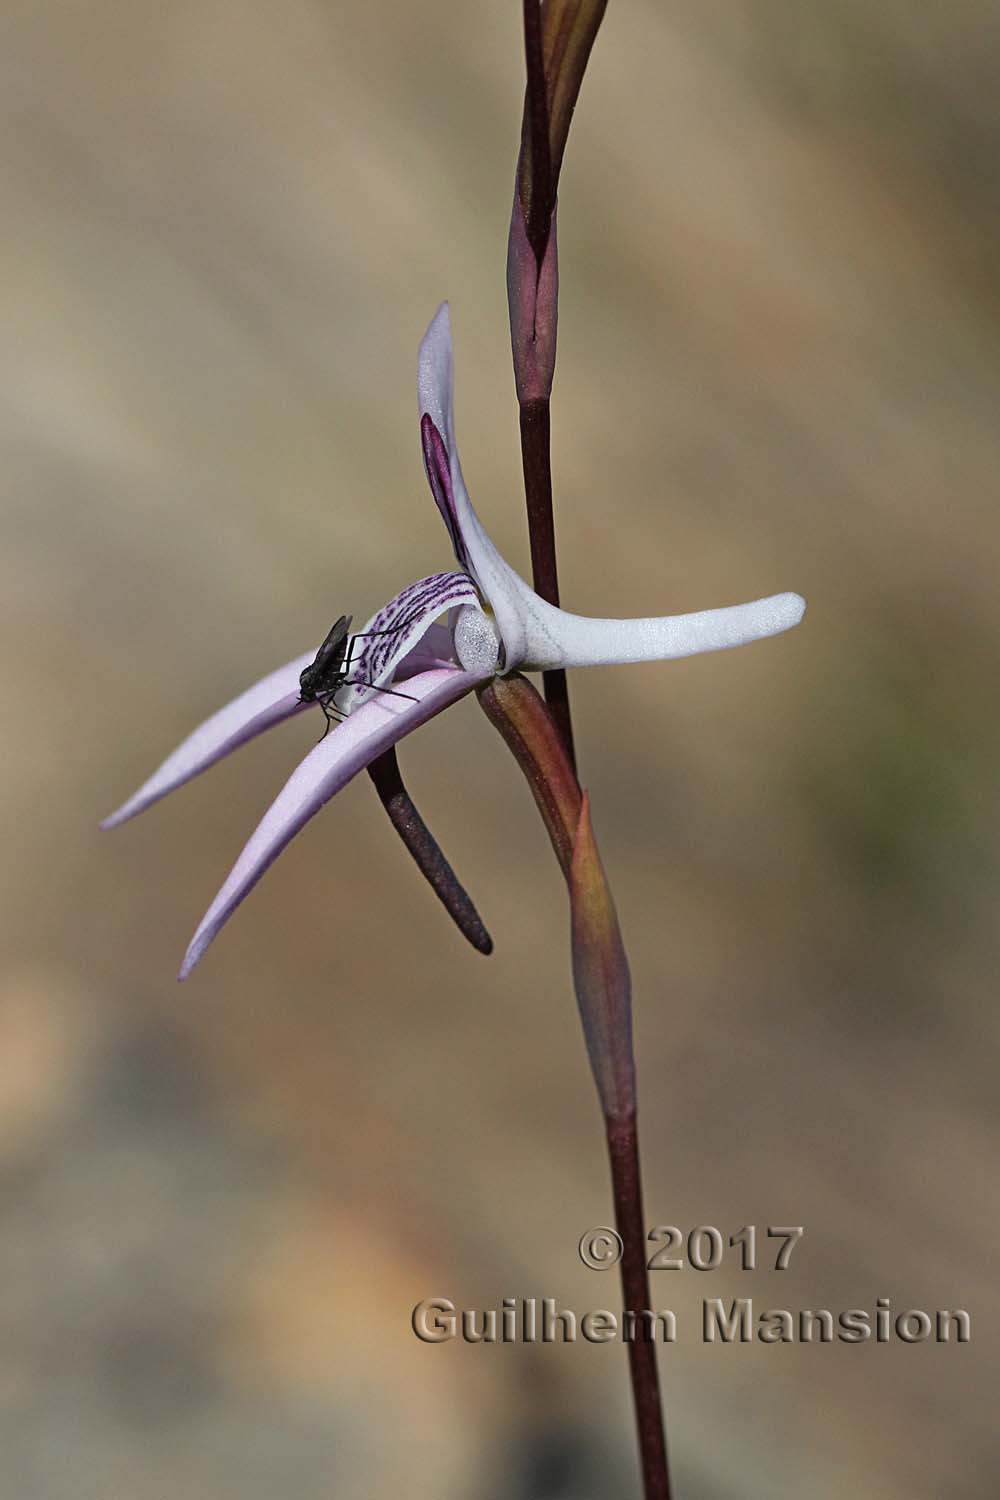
(604, 996)
(626, 1181)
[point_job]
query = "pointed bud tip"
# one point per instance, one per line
(440, 320)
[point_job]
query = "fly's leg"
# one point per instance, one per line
(392, 692)
(331, 714)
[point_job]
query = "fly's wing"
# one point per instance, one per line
(334, 641)
(329, 658)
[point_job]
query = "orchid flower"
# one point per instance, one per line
(405, 668)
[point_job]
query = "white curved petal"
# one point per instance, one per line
(554, 638)
(535, 634)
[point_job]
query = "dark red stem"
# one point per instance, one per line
(537, 469)
(626, 1181)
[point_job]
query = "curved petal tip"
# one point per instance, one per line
(793, 607)
(268, 702)
(192, 957)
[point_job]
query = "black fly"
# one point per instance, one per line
(329, 671)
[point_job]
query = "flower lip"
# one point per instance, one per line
(382, 644)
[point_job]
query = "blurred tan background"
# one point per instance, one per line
(226, 227)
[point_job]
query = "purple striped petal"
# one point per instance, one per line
(274, 698)
(381, 645)
(326, 769)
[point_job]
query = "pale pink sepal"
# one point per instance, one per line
(352, 745)
(270, 700)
